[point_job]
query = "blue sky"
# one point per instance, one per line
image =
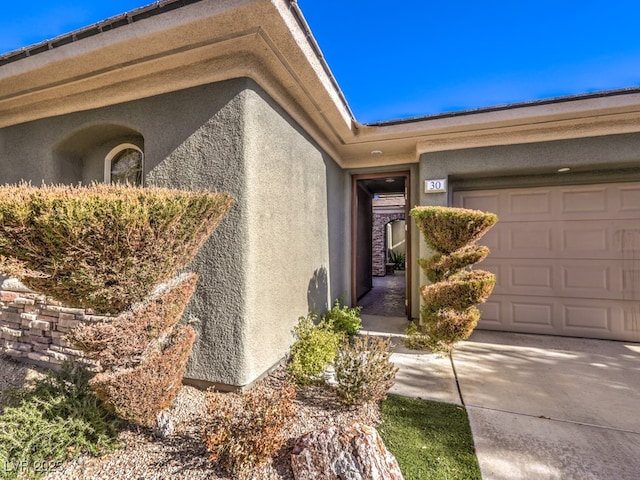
(424, 56)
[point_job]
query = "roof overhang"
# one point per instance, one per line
(268, 40)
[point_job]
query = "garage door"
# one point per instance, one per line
(567, 259)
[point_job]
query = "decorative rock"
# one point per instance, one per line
(355, 452)
(164, 425)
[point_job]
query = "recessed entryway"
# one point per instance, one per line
(380, 243)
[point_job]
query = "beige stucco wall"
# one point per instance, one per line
(608, 158)
(282, 249)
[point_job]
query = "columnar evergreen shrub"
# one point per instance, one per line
(449, 314)
(102, 247)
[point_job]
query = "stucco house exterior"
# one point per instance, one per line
(234, 95)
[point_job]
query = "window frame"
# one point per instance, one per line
(113, 153)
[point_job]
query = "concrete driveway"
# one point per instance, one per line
(540, 407)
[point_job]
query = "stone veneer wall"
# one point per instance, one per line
(33, 326)
(380, 220)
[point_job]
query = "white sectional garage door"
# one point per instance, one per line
(567, 259)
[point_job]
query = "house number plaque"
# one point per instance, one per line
(435, 185)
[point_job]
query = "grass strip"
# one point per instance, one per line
(430, 440)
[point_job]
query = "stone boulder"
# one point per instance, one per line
(355, 452)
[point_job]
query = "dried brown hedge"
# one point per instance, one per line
(139, 394)
(103, 247)
(122, 342)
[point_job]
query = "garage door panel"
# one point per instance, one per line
(577, 318)
(598, 279)
(631, 321)
(527, 313)
(600, 239)
(534, 204)
(606, 319)
(630, 199)
(491, 314)
(487, 202)
(590, 200)
(566, 258)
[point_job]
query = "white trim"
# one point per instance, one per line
(113, 153)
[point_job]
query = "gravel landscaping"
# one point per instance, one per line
(183, 456)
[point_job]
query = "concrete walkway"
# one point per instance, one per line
(540, 407)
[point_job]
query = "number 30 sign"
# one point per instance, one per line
(435, 185)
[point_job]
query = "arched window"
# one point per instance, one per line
(124, 164)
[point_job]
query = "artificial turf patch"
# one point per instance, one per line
(430, 440)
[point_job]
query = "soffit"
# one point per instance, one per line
(267, 40)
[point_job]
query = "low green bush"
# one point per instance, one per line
(343, 319)
(58, 419)
(243, 431)
(363, 370)
(313, 351)
(103, 247)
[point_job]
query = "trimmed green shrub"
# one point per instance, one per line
(460, 291)
(103, 247)
(363, 369)
(447, 326)
(449, 314)
(343, 319)
(441, 266)
(315, 348)
(415, 339)
(447, 229)
(243, 431)
(58, 419)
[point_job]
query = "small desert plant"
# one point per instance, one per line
(313, 351)
(102, 247)
(398, 259)
(59, 418)
(243, 431)
(363, 369)
(344, 319)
